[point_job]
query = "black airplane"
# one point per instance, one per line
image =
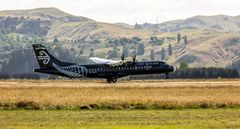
(110, 70)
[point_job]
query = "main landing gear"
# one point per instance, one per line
(111, 80)
(167, 76)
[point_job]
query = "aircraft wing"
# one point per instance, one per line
(104, 61)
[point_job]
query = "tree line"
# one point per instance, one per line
(194, 73)
(190, 73)
(235, 65)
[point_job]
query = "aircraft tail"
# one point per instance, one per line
(45, 60)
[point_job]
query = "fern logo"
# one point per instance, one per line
(75, 71)
(44, 57)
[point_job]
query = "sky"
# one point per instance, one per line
(132, 11)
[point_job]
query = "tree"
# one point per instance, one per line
(183, 65)
(185, 40)
(170, 50)
(163, 54)
(1, 37)
(80, 52)
(140, 50)
(22, 18)
(113, 53)
(123, 41)
(55, 40)
(235, 65)
(96, 41)
(156, 41)
(152, 54)
(136, 26)
(91, 52)
(125, 51)
(72, 49)
(18, 38)
(136, 39)
(178, 37)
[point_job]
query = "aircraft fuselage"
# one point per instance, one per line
(106, 71)
(50, 65)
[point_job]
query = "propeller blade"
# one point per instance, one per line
(134, 58)
(122, 57)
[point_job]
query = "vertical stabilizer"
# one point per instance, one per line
(45, 60)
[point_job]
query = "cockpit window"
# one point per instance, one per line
(162, 63)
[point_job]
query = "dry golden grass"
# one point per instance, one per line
(147, 94)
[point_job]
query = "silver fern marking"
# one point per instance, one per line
(75, 71)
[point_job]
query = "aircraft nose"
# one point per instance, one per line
(173, 68)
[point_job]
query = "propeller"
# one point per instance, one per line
(122, 57)
(134, 58)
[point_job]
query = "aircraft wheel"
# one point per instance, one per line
(167, 77)
(114, 80)
(109, 80)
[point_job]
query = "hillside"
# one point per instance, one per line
(208, 48)
(93, 30)
(218, 22)
(52, 14)
(57, 23)
(212, 40)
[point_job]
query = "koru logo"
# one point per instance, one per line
(44, 57)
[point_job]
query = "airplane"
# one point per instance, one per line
(107, 69)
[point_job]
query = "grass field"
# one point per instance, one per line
(184, 104)
(75, 94)
(119, 119)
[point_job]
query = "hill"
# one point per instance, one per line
(208, 48)
(212, 40)
(57, 23)
(52, 14)
(218, 22)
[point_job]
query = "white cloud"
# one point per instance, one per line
(131, 11)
